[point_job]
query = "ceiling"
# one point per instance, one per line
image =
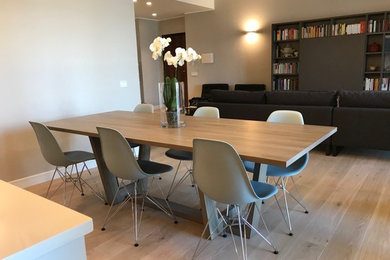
(167, 9)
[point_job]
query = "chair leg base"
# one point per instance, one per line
(276, 252)
(306, 212)
(102, 229)
(290, 234)
(136, 244)
(176, 222)
(82, 194)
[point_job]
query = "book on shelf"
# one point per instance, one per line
(372, 84)
(285, 68)
(286, 34)
(285, 84)
(385, 84)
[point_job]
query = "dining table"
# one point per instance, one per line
(261, 142)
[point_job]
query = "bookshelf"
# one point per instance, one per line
(370, 69)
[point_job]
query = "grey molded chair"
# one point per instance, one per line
(211, 112)
(142, 108)
(221, 176)
(281, 173)
(120, 160)
(53, 154)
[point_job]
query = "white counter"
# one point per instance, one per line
(32, 227)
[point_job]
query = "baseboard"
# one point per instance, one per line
(42, 177)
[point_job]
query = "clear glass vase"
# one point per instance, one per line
(171, 97)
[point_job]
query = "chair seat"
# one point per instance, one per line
(179, 155)
(276, 171)
(264, 190)
(150, 167)
(79, 156)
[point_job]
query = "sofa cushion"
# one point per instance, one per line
(303, 98)
(207, 88)
(238, 96)
(250, 87)
(366, 99)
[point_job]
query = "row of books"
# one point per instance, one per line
(376, 84)
(285, 68)
(285, 84)
(378, 26)
(333, 30)
(286, 34)
(347, 29)
(315, 31)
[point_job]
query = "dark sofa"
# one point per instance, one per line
(362, 117)
(315, 106)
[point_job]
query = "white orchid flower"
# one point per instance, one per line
(158, 45)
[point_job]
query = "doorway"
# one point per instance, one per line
(178, 40)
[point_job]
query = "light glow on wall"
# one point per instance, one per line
(251, 28)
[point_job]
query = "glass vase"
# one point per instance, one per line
(171, 97)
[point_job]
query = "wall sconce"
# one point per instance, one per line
(252, 31)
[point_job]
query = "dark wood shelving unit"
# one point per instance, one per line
(332, 53)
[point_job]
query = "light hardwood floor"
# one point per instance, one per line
(348, 197)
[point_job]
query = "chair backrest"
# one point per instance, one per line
(206, 88)
(144, 108)
(286, 116)
(118, 156)
(220, 173)
(250, 87)
(50, 149)
(211, 112)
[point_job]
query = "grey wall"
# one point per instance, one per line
(59, 59)
(238, 61)
(176, 25)
(150, 70)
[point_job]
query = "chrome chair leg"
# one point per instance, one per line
(301, 201)
(286, 206)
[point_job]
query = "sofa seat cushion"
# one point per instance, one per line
(365, 99)
(302, 98)
(238, 96)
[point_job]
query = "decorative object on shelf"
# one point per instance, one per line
(171, 92)
(372, 68)
(288, 52)
(374, 47)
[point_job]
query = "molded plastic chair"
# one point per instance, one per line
(53, 154)
(221, 176)
(211, 112)
(282, 173)
(121, 162)
(142, 108)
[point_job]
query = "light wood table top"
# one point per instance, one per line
(31, 226)
(258, 141)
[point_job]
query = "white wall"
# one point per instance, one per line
(222, 33)
(59, 59)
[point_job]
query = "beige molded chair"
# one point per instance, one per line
(120, 161)
(221, 176)
(142, 108)
(53, 154)
(210, 112)
(281, 175)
